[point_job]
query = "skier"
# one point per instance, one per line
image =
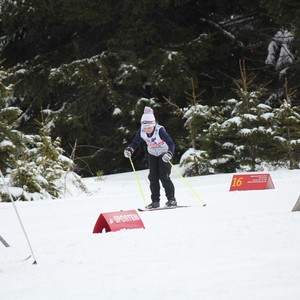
(160, 149)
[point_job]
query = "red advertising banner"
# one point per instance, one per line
(245, 182)
(113, 221)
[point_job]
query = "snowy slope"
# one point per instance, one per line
(243, 245)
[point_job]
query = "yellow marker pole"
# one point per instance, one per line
(137, 180)
(187, 183)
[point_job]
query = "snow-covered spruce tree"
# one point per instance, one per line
(287, 134)
(242, 140)
(282, 57)
(11, 140)
(198, 119)
(220, 142)
(196, 160)
(279, 50)
(42, 170)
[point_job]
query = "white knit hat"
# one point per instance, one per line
(148, 119)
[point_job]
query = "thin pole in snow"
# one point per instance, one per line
(137, 180)
(20, 221)
(4, 242)
(188, 184)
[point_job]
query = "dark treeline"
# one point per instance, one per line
(94, 65)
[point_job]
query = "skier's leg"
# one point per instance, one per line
(154, 177)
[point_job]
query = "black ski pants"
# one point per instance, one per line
(160, 171)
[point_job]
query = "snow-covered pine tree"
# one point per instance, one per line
(282, 55)
(198, 119)
(287, 134)
(279, 50)
(245, 135)
(243, 141)
(11, 140)
(240, 142)
(42, 169)
(221, 142)
(32, 163)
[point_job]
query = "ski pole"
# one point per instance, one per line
(187, 183)
(20, 221)
(4, 242)
(137, 180)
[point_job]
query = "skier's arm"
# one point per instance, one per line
(136, 140)
(165, 137)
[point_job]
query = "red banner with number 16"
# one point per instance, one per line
(245, 182)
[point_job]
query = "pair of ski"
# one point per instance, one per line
(163, 208)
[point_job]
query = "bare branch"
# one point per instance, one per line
(171, 103)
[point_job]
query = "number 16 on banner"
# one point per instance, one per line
(237, 181)
(245, 182)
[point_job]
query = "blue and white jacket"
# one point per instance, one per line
(158, 142)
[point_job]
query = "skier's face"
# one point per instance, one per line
(149, 129)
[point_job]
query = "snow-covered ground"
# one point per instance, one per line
(243, 245)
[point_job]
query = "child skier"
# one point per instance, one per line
(160, 149)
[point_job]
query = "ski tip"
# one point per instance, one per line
(204, 204)
(27, 258)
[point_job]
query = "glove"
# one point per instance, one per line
(127, 152)
(167, 156)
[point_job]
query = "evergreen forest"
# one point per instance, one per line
(223, 78)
